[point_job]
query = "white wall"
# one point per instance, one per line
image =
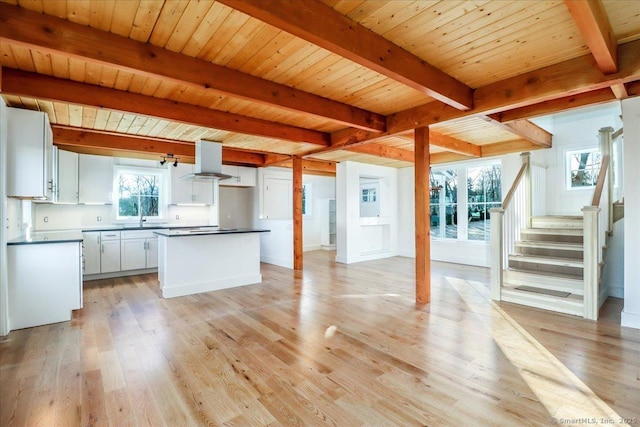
(4, 227)
(631, 118)
(322, 188)
(362, 239)
(578, 129)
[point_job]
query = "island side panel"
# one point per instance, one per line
(203, 263)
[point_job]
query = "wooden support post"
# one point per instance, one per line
(528, 194)
(591, 267)
(297, 213)
(606, 147)
(423, 239)
(497, 267)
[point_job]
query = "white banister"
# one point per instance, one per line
(526, 159)
(606, 142)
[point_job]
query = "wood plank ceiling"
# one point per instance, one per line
(332, 81)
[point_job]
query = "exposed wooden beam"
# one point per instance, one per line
(422, 216)
(454, 145)
(321, 25)
(568, 78)
(51, 34)
(447, 157)
(275, 159)
(119, 143)
(118, 153)
(620, 91)
(525, 130)
(598, 96)
(38, 86)
(593, 22)
(313, 166)
(387, 152)
(297, 213)
(507, 147)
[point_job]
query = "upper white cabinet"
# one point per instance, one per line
(241, 176)
(189, 191)
(95, 183)
(277, 198)
(67, 176)
(29, 155)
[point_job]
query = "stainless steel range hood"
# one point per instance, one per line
(208, 162)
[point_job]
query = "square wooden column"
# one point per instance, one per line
(422, 216)
(297, 213)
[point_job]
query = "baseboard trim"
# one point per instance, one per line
(630, 320)
(213, 285)
(286, 263)
(90, 277)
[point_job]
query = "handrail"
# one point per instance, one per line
(597, 194)
(514, 187)
(617, 133)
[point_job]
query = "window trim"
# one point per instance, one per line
(567, 167)
(162, 193)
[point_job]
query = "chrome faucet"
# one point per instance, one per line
(142, 218)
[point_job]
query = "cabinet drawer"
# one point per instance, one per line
(109, 235)
(137, 234)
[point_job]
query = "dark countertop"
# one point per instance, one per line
(144, 227)
(207, 230)
(47, 237)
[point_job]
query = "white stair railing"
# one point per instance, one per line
(506, 223)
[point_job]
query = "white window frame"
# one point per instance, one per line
(567, 167)
(162, 193)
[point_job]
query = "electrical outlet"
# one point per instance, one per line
(98, 218)
(177, 216)
(45, 219)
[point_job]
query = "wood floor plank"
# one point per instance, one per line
(258, 356)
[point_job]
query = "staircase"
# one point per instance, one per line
(546, 269)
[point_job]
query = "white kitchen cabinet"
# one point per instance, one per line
(67, 176)
(91, 252)
(241, 176)
(277, 198)
(95, 179)
(189, 191)
(109, 251)
(139, 250)
(45, 283)
(29, 155)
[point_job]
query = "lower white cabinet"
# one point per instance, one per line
(109, 251)
(139, 249)
(45, 283)
(91, 252)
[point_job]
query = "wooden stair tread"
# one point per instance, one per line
(556, 231)
(540, 259)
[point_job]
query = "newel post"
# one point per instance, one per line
(526, 159)
(591, 267)
(497, 215)
(606, 147)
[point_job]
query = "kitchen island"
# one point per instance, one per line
(207, 259)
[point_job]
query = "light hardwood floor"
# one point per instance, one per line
(257, 355)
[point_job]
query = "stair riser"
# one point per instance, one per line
(546, 268)
(556, 223)
(557, 238)
(559, 253)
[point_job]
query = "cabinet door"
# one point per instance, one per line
(29, 155)
(95, 179)
(110, 256)
(277, 198)
(49, 177)
(181, 189)
(91, 252)
(230, 182)
(152, 253)
(203, 192)
(67, 182)
(246, 176)
(133, 254)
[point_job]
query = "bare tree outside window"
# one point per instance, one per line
(583, 168)
(138, 194)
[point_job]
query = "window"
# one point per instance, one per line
(139, 193)
(582, 168)
(484, 191)
(306, 199)
(369, 195)
(443, 199)
(464, 213)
